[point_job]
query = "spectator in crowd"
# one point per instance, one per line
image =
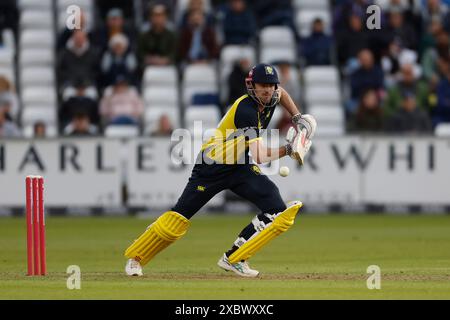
(80, 101)
(170, 5)
(196, 5)
(409, 119)
(400, 31)
(442, 111)
(8, 129)
(316, 48)
(39, 129)
(80, 125)
(239, 25)
(9, 98)
(236, 80)
(115, 24)
(118, 60)
(390, 62)
(369, 115)
(408, 82)
(410, 14)
(198, 42)
(346, 8)
(435, 59)
(79, 60)
(435, 9)
(157, 46)
(164, 128)
(352, 40)
(428, 37)
(121, 104)
(367, 76)
(67, 33)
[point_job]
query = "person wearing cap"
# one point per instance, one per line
(408, 82)
(118, 59)
(224, 163)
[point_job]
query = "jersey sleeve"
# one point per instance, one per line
(247, 122)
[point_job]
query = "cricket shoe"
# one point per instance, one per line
(133, 268)
(241, 268)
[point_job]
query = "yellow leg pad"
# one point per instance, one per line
(279, 225)
(168, 228)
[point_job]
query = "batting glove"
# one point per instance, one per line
(298, 144)
(307, 122)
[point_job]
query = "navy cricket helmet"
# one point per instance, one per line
(264, 74)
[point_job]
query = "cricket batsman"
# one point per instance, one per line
(226, 161)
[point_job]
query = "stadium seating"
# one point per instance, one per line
(321, 75)
(40, 57)
(153, 115)
(161, 96)
(323, 5)
(277, 44)
(36, 64)
(33, 113)
(323, 99)
(36, 19)
(122, 131)
(442, 130)
(42, 38)
(33, 4)
(176, 88)
(36, 76)
(208, 115)
(198, 78)
(164, 76)
(39, 94)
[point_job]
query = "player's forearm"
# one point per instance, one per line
(287, 102)
(265, 155)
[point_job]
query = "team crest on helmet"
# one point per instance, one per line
(269, 70)
(256, 169)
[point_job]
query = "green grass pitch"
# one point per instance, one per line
(320, 257)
